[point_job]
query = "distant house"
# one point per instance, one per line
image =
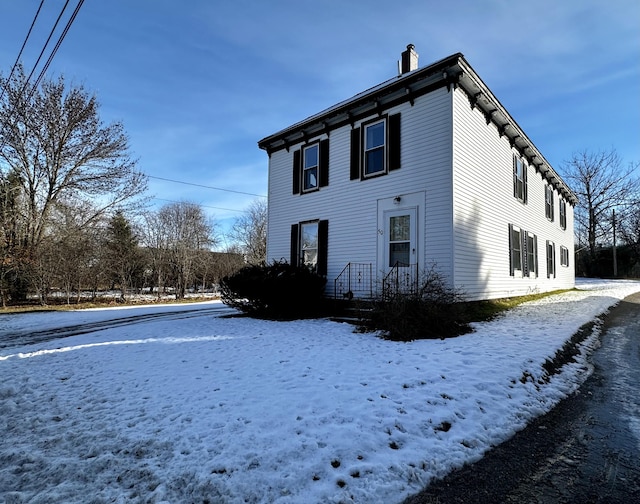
(425, 170)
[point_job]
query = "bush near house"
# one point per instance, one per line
(276, 291)
(429, 309)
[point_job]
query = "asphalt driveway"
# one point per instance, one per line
(586, 450)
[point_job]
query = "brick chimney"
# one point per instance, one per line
(409, 60)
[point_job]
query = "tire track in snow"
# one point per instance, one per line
(22, 338)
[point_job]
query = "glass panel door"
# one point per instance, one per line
(401, 238)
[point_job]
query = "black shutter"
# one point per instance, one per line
(324, 163)
(394, 142)
(510, 250)
(296, 172)
(535, 253)
(525, 252)
(524, 182)
(294, 245)
(355, 154)
(515, 176)
(323, 246)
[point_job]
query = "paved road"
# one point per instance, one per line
(586, 450)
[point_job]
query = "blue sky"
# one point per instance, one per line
(197, 83)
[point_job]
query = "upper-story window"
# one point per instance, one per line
(519, 179)
(375, 147)
(310, 167)
(563, 213)
(548, 201)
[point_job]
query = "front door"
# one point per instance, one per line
(399, 248)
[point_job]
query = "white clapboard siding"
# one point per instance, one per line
(350, 206)
(484, 206)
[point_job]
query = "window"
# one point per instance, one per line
(551, 260)
(519, 179)
(309, 245)
(375, 147)
(563, 214)
(564, 256)
(311, 167)
(548, 202)
(310, 157)
(523, 247)
(532, 255)
(515, 244)
(399, 240)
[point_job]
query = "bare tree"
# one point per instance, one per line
(53, 142)
(181, 232)
(249, 232)
(602, 185)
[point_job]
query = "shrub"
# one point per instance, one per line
(430, 309)
(275, 291)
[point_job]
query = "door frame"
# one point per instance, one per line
(412, 204)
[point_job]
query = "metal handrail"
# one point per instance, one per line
(354, 278)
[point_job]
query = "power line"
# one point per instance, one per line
(15, 64)
(44, 48)
(207, 187)
(59, 42)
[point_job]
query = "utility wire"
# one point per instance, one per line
(44, 48)
(15, 64)
(58, 43)
(207, 187)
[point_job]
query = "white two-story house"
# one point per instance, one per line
(427, 170)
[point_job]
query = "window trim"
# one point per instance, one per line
(515, 250)
(564, 256)
(563, 213)
(322, 167)
(301, 247)
(532, 254)
(549, 202)
(519, 182)
(392, 155)
(304, 150)
(322, 240)
(385, 162)
(551, 259)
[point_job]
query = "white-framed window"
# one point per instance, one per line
(532, 255)
(563, 213)
(375, 148)
(519, 179)
(400, 240)
(551, 259)
(548, 202)
(309, 244)
(515, 241)
(310, 163)
(523, 250)
(564, 256)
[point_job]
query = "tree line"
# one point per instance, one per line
(70, 206)
(71, 198)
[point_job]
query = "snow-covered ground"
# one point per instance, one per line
(235, 410)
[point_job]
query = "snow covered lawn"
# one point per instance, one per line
(235, 410)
